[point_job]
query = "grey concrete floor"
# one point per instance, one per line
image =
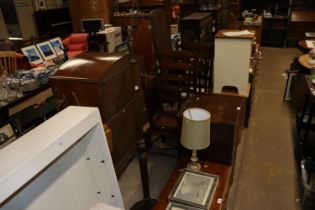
(265, 173)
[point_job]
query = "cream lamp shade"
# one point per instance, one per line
(195, 134)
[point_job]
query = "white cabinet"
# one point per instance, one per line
(231, 62)
(63, 163)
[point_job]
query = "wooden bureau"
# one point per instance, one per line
(106, 81)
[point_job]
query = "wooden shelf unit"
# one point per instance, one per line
(275, 31)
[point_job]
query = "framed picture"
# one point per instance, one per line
(57, 45)
(32, 54)
(177, 206)
(194, 189)
(46, 50)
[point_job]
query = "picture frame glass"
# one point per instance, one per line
(194, 189)
(177, 206)
(57, 45)
(32, 54)
(46, 50)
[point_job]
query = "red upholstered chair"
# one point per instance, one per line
(76, 44)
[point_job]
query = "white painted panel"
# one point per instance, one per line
(24, 11)
(76, 171)
(3, 29)
(231, 63)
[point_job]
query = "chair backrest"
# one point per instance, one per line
(76, 41)
(8, 61)
(161, 31)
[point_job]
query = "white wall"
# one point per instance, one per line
(24, 11)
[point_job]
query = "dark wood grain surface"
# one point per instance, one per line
(220, 196)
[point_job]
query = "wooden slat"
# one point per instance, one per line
(8, 61)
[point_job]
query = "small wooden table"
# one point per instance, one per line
(303, 46)
(304, 61)
(220, 196)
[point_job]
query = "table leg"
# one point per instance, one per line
(146, 203)
(309, 120)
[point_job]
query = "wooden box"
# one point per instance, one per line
(106, 81)
(197, 27)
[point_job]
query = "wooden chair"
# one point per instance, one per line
(8, 61)
(164, 121)
(176, 78)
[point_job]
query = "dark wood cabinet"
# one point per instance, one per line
(233, 10)
(106, 81)
(275, 31)
(197, 27)
(275, 25)
(301, 21)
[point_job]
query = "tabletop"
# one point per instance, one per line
(304, 61)
(223, 108)
(303, 45)
(220, 196)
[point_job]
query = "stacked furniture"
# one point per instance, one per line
(112, 83)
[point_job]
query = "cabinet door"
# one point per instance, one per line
(115, 92)
(125, 133)
(71, 92)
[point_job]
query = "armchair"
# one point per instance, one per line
(76, 44)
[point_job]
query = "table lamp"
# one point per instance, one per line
(195, 134)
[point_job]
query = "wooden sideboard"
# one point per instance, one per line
(300, 22)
